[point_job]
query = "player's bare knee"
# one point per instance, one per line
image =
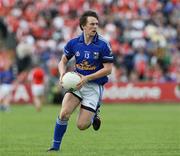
(82, 126)
(64, 115)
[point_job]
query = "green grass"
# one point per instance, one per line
(127, 130)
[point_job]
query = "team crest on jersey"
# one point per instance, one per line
(95, 55)
(77, 53)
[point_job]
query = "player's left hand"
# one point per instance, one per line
(84, 80)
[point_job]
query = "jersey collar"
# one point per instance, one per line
(95, 39)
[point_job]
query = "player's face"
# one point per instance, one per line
(91, 26)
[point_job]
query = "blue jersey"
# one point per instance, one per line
(89, 58)
(6, 77)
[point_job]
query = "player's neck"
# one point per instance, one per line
(87, 39)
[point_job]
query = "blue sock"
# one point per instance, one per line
(59, 130)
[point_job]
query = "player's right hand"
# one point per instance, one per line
(60, 79)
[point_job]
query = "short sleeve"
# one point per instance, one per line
(68, 50)
(107, 56)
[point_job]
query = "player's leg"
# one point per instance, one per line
(7, 96)
(6, 102)
(92, 94)
(38, 93)
(69, 104)
(85, 118)
(1, 99)
(37, 103)
(96, 120)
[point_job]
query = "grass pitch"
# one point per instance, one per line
(127, 130)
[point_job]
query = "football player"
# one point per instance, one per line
(93, 61)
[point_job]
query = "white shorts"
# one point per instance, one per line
(5, 90)
(90, 95)
(38, 89)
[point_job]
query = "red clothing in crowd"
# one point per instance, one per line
(38, 75)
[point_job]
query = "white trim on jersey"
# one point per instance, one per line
(108, 57)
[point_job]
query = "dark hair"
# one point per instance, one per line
(83, 18)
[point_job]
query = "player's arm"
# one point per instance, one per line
(62, 66)
(67, 55)
(106, 70)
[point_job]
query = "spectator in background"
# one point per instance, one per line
(177, 73)
(24, 52)
(37, 78)
(7, 78)
(178, 76)
(140, 63)
(175, 64)
(55, 92)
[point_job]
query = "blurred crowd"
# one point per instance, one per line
(144, 35)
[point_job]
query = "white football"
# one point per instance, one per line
(70, 80)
